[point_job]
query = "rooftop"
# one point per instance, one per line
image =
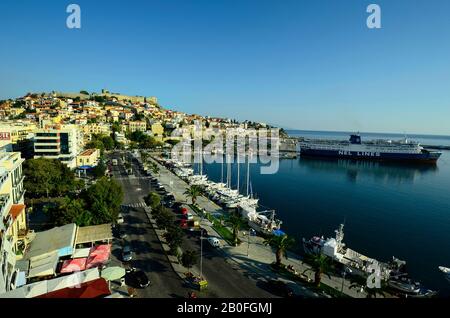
(95, 233)
(88, 152)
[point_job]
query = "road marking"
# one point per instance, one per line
(135, 205)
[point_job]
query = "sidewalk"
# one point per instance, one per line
(259, 255)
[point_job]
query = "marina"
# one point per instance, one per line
(380, 202)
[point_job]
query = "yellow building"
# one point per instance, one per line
(96, 129)
(89, 157)
(13, 132)
(133, 126)
(13, 228)
(158, 131)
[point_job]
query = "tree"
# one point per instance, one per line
(321, 264)
(193, 192)
(236, 222)
(153, 200)
(104, 197)
(174, 238)
(280, 244)
(108, 142)
(84, 93)
(164, 219)
(67, 210)
(99, 170)
(155, 169)
(95, 144)
(116, 127)
(189, 258)
(48, 178)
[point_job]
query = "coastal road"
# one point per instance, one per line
(224, 279)
(148, 254)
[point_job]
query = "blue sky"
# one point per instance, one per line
(298, 64)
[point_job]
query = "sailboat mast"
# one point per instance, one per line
(221, 176)
(248, 174)
(238, 176)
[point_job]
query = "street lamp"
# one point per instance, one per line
(201, 248)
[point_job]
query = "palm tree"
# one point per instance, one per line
(236, 222)
(321, 264)
(193, 192)
(280, 244)
(155, 169)
(144, 156)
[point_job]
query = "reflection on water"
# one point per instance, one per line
(380, 171)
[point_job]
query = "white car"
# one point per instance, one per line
(120, 219)
(214, 241)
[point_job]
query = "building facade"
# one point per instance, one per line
(13, 226)
(62, 143)
(89, 157)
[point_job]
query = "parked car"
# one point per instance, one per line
(120, 219)
(126, 253)
(189, 216)
(123, 235)
(214, 241)
(141, 279)
(184, 211)
(177, 206)
(198, 232)
(169, 196)
(280, 288)
(136, 278)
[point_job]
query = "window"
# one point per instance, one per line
(46, 147)
(48, 141)
(46, 134)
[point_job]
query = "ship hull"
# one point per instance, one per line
(424, 157)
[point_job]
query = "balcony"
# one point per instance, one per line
(4, 203)
(7, 221)
(18, 180)
(3, 178)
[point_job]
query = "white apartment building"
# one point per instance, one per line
(63, 143)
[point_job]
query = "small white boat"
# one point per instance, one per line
(445, 270)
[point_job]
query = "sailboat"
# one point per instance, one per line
(262, 222)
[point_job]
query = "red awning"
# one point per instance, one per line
(99, 255)
(74, 265)
(16, 210)
(94, 289)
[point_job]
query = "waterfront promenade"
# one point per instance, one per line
(252, 255)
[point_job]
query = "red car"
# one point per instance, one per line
(184, 211)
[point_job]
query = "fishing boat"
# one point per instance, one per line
(336, 249)
(409, 287)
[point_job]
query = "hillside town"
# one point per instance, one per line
(58, 146)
